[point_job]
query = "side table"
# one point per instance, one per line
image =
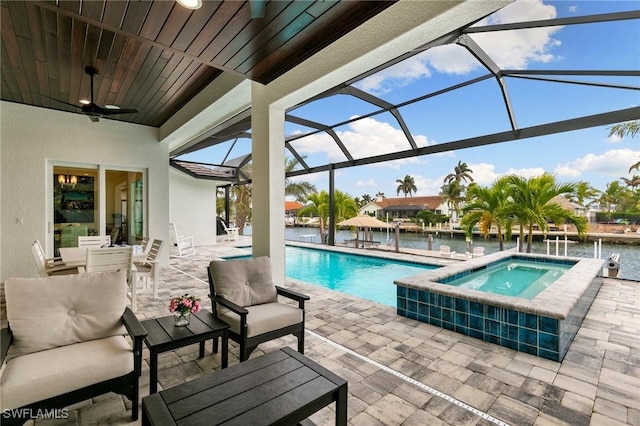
(163, 336)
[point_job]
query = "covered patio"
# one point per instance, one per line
(400, 371)
(404, 372)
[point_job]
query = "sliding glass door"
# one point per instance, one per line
(125, 205)
(75, 205)
(96, 200)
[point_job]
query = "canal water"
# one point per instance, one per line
(629, 254)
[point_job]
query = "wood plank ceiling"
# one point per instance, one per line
(154, 56)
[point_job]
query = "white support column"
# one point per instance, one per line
(267, 194)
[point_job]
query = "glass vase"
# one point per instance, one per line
(180, 319)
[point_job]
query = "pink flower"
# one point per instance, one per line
(185, 304)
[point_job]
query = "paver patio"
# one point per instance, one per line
(404, 372)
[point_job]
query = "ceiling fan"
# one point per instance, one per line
(93, 110)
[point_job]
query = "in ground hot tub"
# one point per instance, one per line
(540, 316)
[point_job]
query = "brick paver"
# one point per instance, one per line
(597, 383)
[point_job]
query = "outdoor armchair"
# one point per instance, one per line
(149, 268)
(184, 244)
(232, 232)
(65, 343)
(445, 251)
(52, 266)
(244, 296)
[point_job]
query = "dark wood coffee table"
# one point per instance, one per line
(163, 336)
(280, 388)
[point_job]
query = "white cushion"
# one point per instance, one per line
(49, 312)
(264, 318)
(41, 375)
(245, 282)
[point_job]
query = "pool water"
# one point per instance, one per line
(362, 276)
(370, 278)
(517, 278)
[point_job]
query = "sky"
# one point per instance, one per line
(586, 155)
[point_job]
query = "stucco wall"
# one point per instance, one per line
(193, 207)
(30, 137)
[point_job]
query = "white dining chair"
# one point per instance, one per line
(94, 241)
(150, 267)
(113, 259)
(51, 266)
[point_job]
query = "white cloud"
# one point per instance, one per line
(612, 163)
(363, 138)
(425, 186)
(483, 174)
(614, 139)
(366, 184)
(397, 75)
(516, 49)
(526, 172)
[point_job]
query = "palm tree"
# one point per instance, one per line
(344, 205)
(584, 191)
(612, 195)
(318, 204)
(533, 204)
(461, 173)
(515, 210)
(483, 208)
(242, 196)
(297, 189)
(633, 182)
(452, 193)
(406, 185)
(365, 199)
(629, 128)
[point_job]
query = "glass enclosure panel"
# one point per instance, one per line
(75, 205)
(124, 195)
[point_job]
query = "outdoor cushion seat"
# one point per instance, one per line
(65, 343)
(45, 374)
(244, 296)
(264, 318)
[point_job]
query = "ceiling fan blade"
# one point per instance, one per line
(118, 111)
(59, 101)
(257, 8)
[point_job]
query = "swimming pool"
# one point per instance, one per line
(544, 325)
(367, 277)
(515, 277)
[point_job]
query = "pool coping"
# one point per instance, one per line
(380, 254)
(556, 301)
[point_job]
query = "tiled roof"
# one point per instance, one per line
(567, 204)
(292, 205)
(431, 202)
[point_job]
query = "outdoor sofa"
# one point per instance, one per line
(66, 343)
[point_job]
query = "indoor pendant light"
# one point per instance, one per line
(190, 4)
(68, 180)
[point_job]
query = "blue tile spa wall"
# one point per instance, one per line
(524, 332)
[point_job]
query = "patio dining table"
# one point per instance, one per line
(77, 256)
